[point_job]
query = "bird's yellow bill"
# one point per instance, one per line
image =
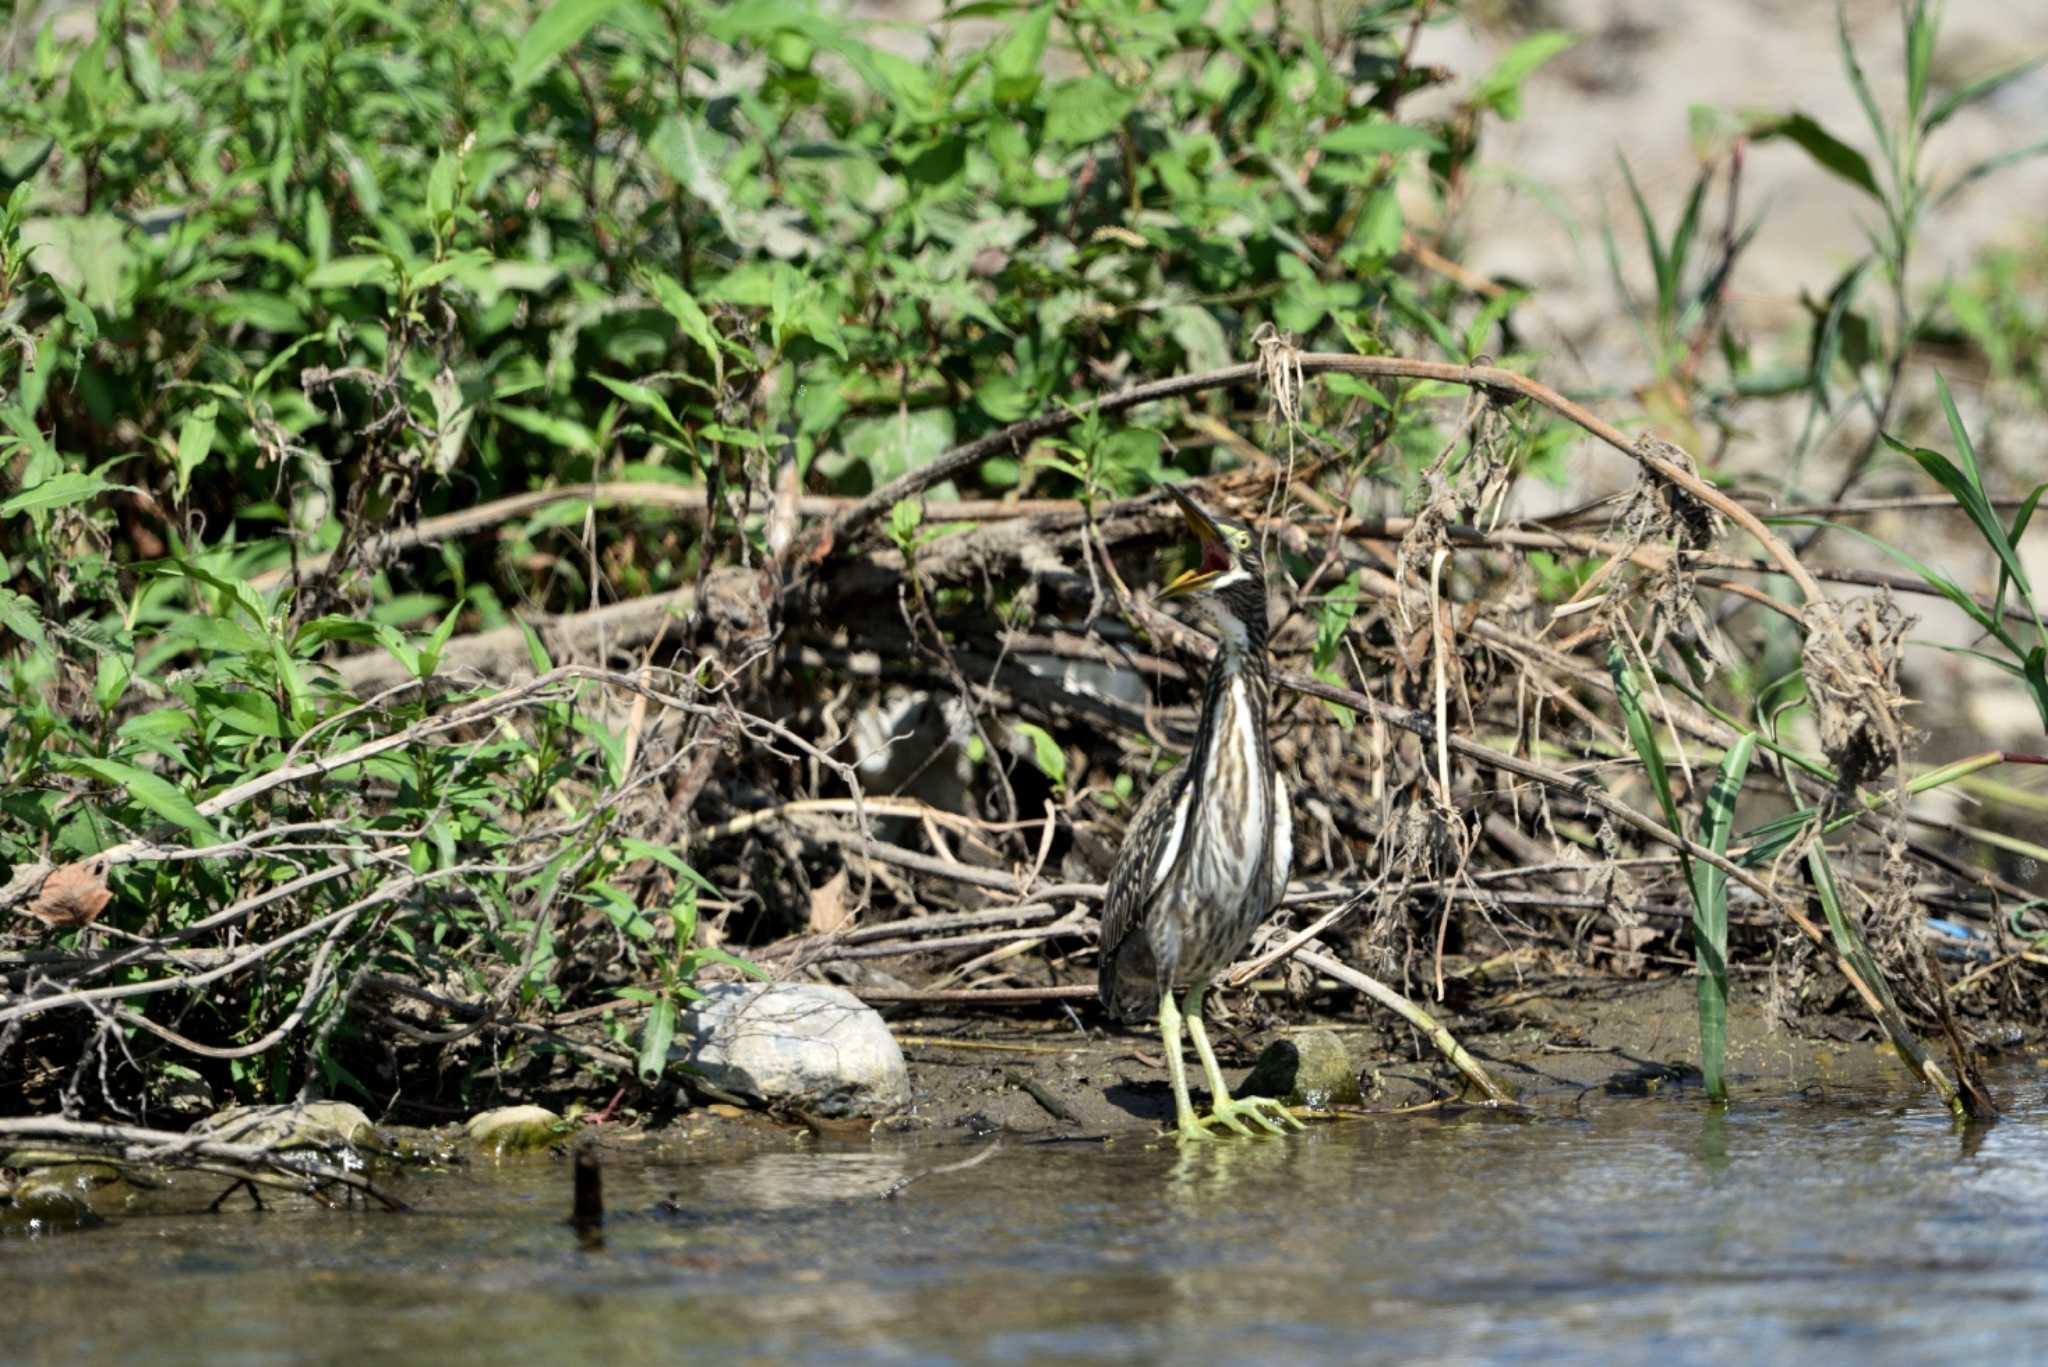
(1215, 551)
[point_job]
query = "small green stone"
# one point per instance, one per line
(1308, 1068)
(515, 1129)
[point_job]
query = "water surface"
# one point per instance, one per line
(1845, 1228)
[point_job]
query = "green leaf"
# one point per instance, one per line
(148, 791)
(560, 27)
(1501, 88)
(1379, 226)
(195, 442)
(640, 396)
(1081, 111)
(1016, 62)
(346, 272)
(467, 264)
(904, 518)
(536, 652)
(60, 491)
(430, 653)
(690, 317)
(240, 709)
(1051, 760)
(567, 433)
(1372, 139)
(1681, 245)
(1825, 148)
(18, 614)
(319, 229)
(711, 954)
(656, 1037)
(441, 185)
(1342, 715)
(1340, 605)
(115, 673)
(1961, 433)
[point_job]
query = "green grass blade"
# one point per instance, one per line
(1709, 885)
(1941, 583)
(1977, 171)
(1966, 447)
(1641, 733)
(1973, 502)
(1681, 238)
(2018, 529)
(1766, 841)
(1827, 338)
(1660, 263)
(1859, 83)
(1920, 28)
(1850, 944)
(1710, 915)
(1971, 92)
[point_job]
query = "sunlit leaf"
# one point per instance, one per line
(149, 791)
(558, 28)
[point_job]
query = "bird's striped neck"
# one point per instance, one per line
(1241, 676)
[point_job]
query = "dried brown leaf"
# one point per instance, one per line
(73, 895)
(829, 909)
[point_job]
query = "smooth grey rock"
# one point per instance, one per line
(807, 1044)
(514, 1129)
(1308, 1068)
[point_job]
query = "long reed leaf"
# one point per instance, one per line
(1857, 956)
(1641, 734)
(1710, 915)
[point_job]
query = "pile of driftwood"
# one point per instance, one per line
(904, 759)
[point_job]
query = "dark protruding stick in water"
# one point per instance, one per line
(587, 1215)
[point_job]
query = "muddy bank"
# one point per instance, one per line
(1560, 1047)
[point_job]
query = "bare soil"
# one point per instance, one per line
(1559, 1047)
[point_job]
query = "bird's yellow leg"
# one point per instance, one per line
(1269, 1115)
(1185, 1123)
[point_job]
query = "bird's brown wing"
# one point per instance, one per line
(1127, 980)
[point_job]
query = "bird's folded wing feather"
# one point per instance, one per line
(1132, 880)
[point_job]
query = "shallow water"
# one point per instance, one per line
(1862, 1228)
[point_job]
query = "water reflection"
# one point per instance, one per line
(790, 1181)
(1641, 1227)
(1713, 1146)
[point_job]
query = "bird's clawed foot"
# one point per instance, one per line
(1269, 1116)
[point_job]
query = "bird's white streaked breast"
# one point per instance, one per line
(1283, 838)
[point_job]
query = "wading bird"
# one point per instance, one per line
(1207, 854)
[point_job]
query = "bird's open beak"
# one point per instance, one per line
(1215, 551)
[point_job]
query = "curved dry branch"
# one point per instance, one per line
(1015, 438)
